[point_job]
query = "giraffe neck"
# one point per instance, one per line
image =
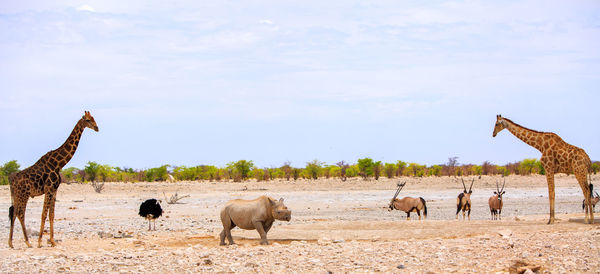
(530, 137)
(65, 152)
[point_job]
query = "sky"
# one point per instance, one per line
(210, 82)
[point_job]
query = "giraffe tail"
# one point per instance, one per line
(11, 215)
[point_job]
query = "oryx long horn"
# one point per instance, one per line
(497, 188)
(397, 191)
(503, 185)
(464, 186)
(471, 184)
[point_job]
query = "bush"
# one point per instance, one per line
(377, 169)
(91, 171)
(365, 165)
(71, 174)
(595, 167)
(313, 168)
(435, 170)
(390, 170)
(242, 167)
(8, 168)
(157, 174)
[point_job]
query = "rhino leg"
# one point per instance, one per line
(229, 238)
(228, 225)
(268, 227)
(222, 237)
(261, 231)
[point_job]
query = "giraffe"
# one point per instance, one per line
(557, 157)
(41, 178)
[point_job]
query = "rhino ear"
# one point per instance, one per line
(281, 200)
(271, 201)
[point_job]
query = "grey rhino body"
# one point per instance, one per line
(258, 214)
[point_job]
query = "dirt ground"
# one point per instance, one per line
(336, 227)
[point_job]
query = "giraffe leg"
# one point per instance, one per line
(20, 212)
(583, 183)
(43, 222)
(550, 179)
(51, 219)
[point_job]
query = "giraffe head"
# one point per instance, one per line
(500, 125)
(88, 121)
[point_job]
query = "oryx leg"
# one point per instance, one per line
(457, 207)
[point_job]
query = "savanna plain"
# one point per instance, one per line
(335, 227)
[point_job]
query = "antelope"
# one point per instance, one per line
(496, 202)
(463, 202)
(408, 204)
(594, 200)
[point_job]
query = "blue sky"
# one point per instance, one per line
(209, 82)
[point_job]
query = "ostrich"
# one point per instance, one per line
(151, 210)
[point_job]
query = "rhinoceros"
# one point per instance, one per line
(258, 214)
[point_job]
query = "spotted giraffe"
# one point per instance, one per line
(557, 157)
(41, 178)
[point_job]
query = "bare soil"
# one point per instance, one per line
(336, 226)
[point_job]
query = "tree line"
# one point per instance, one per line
(241, 170)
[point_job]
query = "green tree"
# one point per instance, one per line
(365, 165)
(7, 169)
(401, 166)
(435, 170)
(106, 173)
(71, 174)
(502, 170)
(352, 171)
(287, 170)
(313, 168)
(343, 167)
(528, 166)
(243, 168)
(257, 173)
(157, 173)
(390, 170)
(595, 167)
(476, 170)
(91, 171)
(377, 169)
(10, 167)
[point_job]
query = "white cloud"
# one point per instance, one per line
(86, 8)
(266, 21)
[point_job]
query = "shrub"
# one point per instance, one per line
(390, 170)
(313, 168)
(365, 165)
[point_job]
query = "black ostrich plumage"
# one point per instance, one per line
(150, 209)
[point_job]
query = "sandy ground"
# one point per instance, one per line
(336, 226)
